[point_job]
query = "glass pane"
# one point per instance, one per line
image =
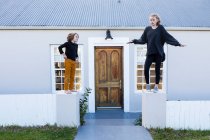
(161, 72)
(152, 86)
(153, 65)
(62, 86)
(78, 65)
(79, 54)
(161, 79)
(57, 73)
(140, 79)
(77, 86)
(144, 86)
(140, 66)
(63, 72)
(58, 87)
(56, 51)
(139, 86)
(57, 65)
(77, 79)
(57, 58)
(152, 72)
(141, 54)
(152, 79)
(62, 65)
(58, 79)
(140, 73)
(78, 73)
(62, 79)
(62, 59)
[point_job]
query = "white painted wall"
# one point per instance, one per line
(27, 109)
(26, 69)
(188, 68)
(39, 109)
(159, 113)
(188, 115)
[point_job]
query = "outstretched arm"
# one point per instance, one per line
(170, 39)
(142, 40)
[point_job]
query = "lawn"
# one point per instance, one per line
(170, 134)
(46, 132)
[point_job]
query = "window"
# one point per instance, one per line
(140, 80)
(58, 70)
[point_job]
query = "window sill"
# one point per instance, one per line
(141, 92)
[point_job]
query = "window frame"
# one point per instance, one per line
(53, 76)
(164, 69)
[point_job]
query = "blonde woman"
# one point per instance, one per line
(70, 56)
(155, 36)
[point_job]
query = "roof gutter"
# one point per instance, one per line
(97, 28)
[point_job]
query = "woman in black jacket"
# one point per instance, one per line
(155, 36)
(70, 56)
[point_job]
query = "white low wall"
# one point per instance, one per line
(154, 110)
(188, 115)
(39, 109)
(67, 110)
(159, 113)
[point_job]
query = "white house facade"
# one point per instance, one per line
(24, 75)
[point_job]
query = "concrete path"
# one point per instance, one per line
(112, 125)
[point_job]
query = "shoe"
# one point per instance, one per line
(155, 90)
(148, 89)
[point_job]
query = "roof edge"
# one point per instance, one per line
(97, 28)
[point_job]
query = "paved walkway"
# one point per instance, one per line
(112, 125)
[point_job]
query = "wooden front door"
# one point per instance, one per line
(108, 77)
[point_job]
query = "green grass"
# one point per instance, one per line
(170, 134)
(46, 132)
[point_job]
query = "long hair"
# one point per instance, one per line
(70, 36)
(156, 16)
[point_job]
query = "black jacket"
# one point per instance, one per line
(71, 50)
(155, 39)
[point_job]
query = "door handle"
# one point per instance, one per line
(120, 84)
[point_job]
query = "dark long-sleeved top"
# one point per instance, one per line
(71, 50)
(155, 39)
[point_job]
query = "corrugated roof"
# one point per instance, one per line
(104, 13)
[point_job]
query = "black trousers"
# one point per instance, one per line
(149, 59)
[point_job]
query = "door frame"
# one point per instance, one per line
(101, 42)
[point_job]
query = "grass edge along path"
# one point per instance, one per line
(47, 132)
(171, 134)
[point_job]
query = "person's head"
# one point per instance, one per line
(154, 19)
(73, 37)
